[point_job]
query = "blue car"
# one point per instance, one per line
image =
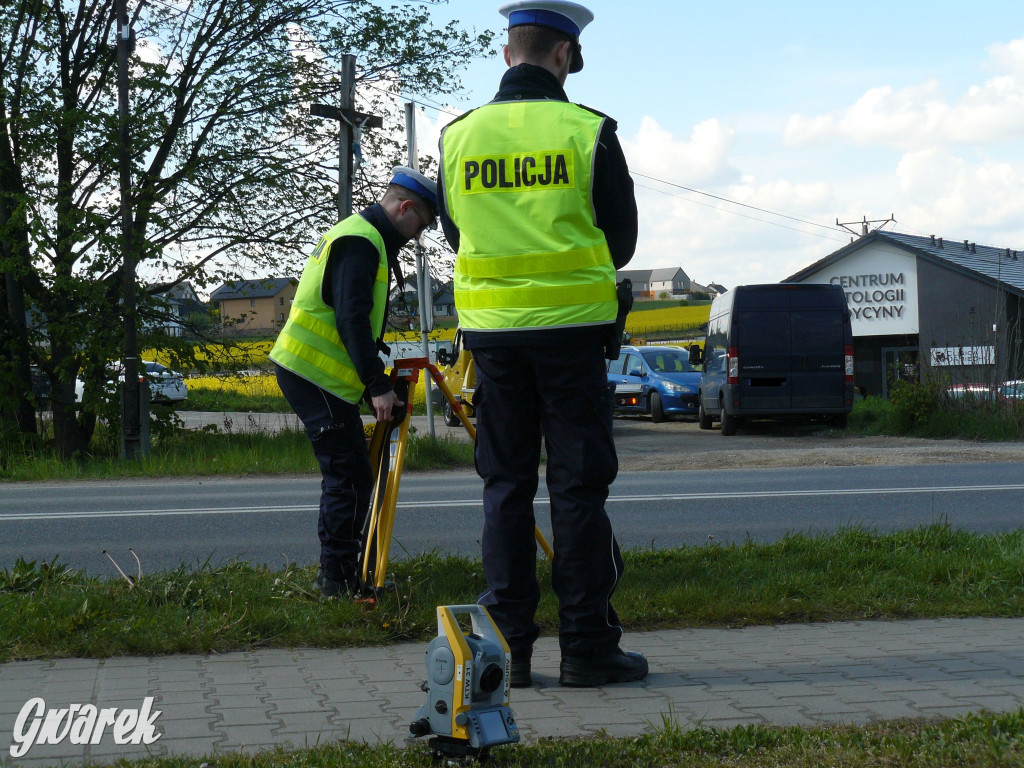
(668, 382)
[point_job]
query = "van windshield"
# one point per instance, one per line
(668, 361)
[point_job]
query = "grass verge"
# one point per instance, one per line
(50, 611)
(973, 741)
(213, 451)
(927, 415)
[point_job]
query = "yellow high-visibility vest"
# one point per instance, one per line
(309, 344)
(517, 180)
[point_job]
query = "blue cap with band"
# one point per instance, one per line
(418, 183)
(561, 15)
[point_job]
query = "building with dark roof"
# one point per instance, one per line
(255, 306)
(670, 281)
(949, 308)
(176, 303)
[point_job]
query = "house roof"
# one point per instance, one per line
(252, 289)
(667, 274)
(634, 275)
(992, 265)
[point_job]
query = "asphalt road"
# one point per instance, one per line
(273, 520)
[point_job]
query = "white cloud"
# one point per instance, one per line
(700, 159)
(942, 192)
(1009, 56)
(918, 115)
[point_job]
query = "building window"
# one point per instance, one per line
(280, 301)
(252, 302)
(281, 315)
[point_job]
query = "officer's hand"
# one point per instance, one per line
(383, 405)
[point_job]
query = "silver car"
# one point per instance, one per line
(165, 385)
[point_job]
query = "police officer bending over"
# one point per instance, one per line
(326, 358)
(537, 201)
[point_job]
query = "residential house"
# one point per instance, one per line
(673, 282)
(255, 306)
(405, 303)
(176, 303)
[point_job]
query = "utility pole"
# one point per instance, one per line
(423, 283)
(350, 124)
(132, 444)
(864, 224)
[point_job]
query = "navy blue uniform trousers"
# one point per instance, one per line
(527, 394)
(336, 432)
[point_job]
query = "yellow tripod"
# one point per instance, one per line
(387, 455)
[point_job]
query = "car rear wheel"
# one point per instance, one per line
(451, 419)
(657, 409)
(703, 420)
(729, 422)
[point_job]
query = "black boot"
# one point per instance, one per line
(616, 667)
(520, 675)
(329, 587)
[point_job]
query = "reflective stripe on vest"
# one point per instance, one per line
(309, 344)
(518, 179)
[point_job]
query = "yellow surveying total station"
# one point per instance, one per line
(508, 165)
(309, 344)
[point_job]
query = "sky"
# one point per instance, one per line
(751, 127)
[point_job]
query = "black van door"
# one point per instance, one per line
(763, 338)
(819, 375)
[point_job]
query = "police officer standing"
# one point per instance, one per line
(537, 201)
(326, 358)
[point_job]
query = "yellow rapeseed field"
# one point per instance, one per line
(265, 385)
(252, 354)
(682, 317)
(257, 385)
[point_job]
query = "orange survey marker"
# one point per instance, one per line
(387, 455)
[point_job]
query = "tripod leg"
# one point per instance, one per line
(396, 456)
(379, 460)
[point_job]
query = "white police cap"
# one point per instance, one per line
(562, 15)
(418, 183)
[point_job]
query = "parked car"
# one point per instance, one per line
(1013, 390)
(668, 382)
(976, 393)
(165, 385)
(628, 397)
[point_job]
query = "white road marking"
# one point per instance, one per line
(11, 517)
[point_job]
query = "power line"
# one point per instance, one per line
(737, 213)
(733, 202)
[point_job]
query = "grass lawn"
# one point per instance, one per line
(930, 572)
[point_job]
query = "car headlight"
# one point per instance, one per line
(682, 389)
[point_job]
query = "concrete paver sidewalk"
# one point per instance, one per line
(848, 672)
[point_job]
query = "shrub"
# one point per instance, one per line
(914, 403)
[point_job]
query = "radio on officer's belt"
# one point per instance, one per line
(467, 686)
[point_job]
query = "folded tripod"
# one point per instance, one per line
(387, 455)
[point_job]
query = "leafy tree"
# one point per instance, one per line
(229, 169)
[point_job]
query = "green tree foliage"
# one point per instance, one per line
(230, 173)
